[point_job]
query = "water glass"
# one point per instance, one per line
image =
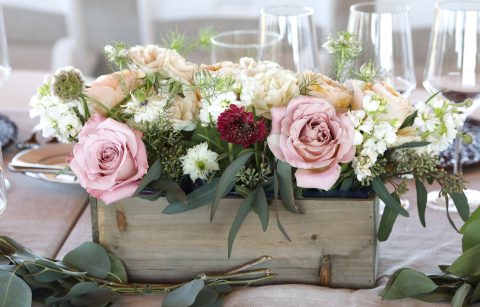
(296, 28)
(383, 29)
(233, 45)
(4, 63)
(3, 188)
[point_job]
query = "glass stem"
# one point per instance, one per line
(457, 166)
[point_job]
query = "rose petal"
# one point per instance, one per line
(118, 193)
(323, 179)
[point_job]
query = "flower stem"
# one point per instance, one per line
(257, 156)
(230, 152)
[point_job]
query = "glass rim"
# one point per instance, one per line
(441, 5)
(214, 39)
(398, 8)
(307, 11)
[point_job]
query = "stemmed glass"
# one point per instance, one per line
(233, 45)
(4, 64)
(298, 41)
(383, 29)
(3, 189)
(454, 68)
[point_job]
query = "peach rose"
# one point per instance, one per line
(109, 159)
(109, 90)
(310, 135)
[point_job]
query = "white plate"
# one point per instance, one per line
(62, 178)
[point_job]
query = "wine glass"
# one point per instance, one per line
(453, 67)
(233, 45)
(298, 40)
(3, 186)
(384, 32)
(4, 64)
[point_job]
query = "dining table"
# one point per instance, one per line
(53, 218)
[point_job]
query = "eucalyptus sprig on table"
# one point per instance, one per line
(458, 283)
(92, 276)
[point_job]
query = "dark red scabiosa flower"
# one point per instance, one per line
(239, 127)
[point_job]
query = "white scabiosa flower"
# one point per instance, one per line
(199, 162)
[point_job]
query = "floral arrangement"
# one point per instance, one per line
(163, 126)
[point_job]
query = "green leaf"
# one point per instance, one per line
(408, 283)
(99, 297)
(228, 177)
(387, 198)
(245, 208)
(261, 206)
(347, 184)
(119, 274)
(458, 299)
(409, 120)
(474, 217)
(154, 172)
(386, 223)
(81, 288)
(461, 202)
(471, 235)
(89, 257)
(475, 295)
(206, 297)
(439, 295)
(14, 292)
(412, 145)
(44, 270)
(169, 186)
(467, 265)
(198, 198)
(185, 295)
(421, 200)
(285, 185)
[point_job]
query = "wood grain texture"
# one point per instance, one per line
(167, 248)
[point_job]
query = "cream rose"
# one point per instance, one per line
(323, 87)
(109, 90)
(397, 108)
(151, 58)
(184, 112)
(274, 87)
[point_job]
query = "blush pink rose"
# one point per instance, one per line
(109, 159)
(308, 134)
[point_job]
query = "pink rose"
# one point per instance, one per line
(109, 90)
(308, 134)
(109, 159)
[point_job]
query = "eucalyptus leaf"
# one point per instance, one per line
(461, 203)
(154, 172)
(206, 297)
(467, 265)
(408, 283)
(387, 198)
(170, 186)
(471, 235)
(45, 270)
(285, 186)
(409, 120)
(89, 257)
(474, 217)
(17, 251)
(439, 295)
(386, 223)
(78, 289)
(198, 198)
(261, 206)
(421, 200)
(119, 274)
(228, 177)
(475, 295)
(99, 297)
(14, 292)
(412, 145)
(245, 208)
(185, 295)
(461, 294)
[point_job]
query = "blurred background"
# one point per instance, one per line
(44, 35)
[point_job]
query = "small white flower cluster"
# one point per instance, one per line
(438, 122)
(59, 117)
(212, 108)
(372, 135)
(145, 110)
(199, 162)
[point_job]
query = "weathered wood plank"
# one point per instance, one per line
(167, 248)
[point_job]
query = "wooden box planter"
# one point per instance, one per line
(340, 233)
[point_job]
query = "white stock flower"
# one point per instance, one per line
(370, 104)
(199, 162)
(361, 167)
